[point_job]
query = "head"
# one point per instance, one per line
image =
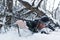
(45, 19)
(40, 25)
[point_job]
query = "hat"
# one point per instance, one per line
(45, 19)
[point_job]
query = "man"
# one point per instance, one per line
(47, 21)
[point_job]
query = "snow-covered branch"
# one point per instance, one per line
(33, 9)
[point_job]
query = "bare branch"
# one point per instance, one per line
(33, 3)
(57, 9)
(21, 10)
(28, 6)
(39, 3)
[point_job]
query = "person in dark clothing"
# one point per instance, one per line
(35, 26)
(32, 26)
(45, 20)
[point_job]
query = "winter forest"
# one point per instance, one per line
(29, 20)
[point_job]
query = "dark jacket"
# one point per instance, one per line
(32, 25)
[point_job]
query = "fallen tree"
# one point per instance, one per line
(33, 9)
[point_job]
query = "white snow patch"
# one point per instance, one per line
(13, 35)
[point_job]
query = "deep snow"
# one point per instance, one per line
(12, 34)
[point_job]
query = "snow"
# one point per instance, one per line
(31, 1)
(50, 16)
(12, 34)
(50, 4)
(54, 20)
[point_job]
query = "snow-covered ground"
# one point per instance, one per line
(12, 34)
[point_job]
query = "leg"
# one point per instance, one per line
(18, 30)
(51, 28)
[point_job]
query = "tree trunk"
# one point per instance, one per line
(9, 5)
(28, 6)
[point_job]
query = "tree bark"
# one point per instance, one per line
(9, 5)
(28, 6)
